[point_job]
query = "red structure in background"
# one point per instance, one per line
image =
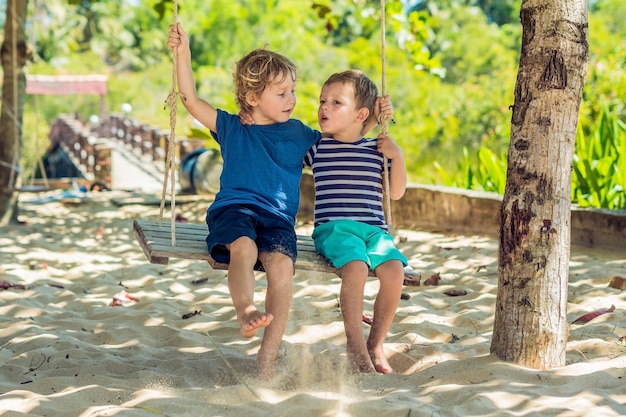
(69, 84)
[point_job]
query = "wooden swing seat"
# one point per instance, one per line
(156, 242)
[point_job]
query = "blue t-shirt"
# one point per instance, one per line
(262, 163)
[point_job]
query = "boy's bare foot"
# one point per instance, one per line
(380, 361)
(265, 372)
(361, 363)
(254, 321)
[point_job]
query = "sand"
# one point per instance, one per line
(66, 351)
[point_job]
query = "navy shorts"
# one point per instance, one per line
(270, 232)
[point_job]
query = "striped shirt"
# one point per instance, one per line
(348, 181)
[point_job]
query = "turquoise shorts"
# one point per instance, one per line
(343, 241)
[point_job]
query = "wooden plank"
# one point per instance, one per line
(156, 243)
(144, 242)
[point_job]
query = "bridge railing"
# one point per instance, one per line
(140, 137)
(90, 148)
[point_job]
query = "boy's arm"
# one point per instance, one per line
(397, 172)
(397, 178)
(197, 107)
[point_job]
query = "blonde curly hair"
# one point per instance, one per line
(255, 71)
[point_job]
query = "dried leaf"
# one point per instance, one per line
(5, 285)
(433, 279)
(412, 281)
(190, 315)
(412, 278)
(455, 292)
(200, 280)
(618, 283)
(589, 316)
(123, 298)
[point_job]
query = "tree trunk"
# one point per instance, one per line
(14, 55)
(531, 327)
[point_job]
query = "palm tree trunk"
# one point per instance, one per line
(531, 327)
(14, 55)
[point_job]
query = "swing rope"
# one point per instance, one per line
(384, 118)
(170, 165)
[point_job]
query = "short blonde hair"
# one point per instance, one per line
(255, 71)
(365, 91)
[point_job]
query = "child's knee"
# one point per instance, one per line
(243, 246)
(391, 270)
(354, 268)
(272, 261)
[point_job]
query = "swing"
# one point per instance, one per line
(188, 241)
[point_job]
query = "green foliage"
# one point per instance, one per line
(468, 46)
(123, 37)
(487, 173)
(606, 82)
(476, 62)
(346, 20)
(35, 142)
(500, 12)
(450, 69)
(599, 164)
(53, 41)
(419, 46)
(599, 167)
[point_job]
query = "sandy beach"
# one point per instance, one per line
(172, 346)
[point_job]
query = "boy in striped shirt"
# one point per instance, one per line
(350, 228)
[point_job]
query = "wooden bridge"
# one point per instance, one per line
(119, 152)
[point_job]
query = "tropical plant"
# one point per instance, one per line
(487, 172)
(599, 164)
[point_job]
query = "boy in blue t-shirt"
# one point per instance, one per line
(252, 218)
